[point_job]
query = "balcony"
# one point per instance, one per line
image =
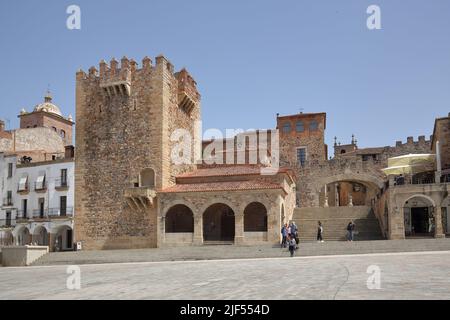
(40, 186)
(23, 188)
(53, 213)
(7, 223)
(61, 184)
(140, 198)
(22, 215)
(7, 202)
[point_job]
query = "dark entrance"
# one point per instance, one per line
(218, 223)
(420, 222)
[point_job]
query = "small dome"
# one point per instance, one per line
(48, 106)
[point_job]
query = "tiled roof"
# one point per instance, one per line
(221, 186)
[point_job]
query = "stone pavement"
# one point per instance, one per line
(423, 275)
(239, 252)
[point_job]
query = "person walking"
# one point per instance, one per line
(284, 233)
(320, 232)
(350, 230)
(295, 234)
(292, 244)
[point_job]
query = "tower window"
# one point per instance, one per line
(313, 126)
(63, 134)
(300, 127)
(301, 156)
(54, 129)
(287, 127)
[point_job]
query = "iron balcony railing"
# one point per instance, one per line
(23, 188)
(7, 202)
(40, 186)
(61, 183)
(22, 215)
(53, 212)
(6, 223)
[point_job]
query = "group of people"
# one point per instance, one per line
(290, 238)
(289, 234)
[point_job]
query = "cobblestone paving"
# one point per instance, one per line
(215, 252)
(403, 276)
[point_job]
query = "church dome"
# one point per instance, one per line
(48, 106)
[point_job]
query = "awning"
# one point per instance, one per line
(23, 183)
(410, 164)
(40, 182)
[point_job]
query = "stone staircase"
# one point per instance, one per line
(335, 220)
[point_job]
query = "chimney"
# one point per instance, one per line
(69, 152)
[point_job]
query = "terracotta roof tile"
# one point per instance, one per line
(233, 170)
(221, 186)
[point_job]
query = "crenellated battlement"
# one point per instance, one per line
(410, 141)
(116, 78)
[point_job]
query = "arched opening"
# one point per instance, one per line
(147, 178)
(419, 217)
(346, 193)
(179, 218)
(64, 239)
(255, 218)
(40, 236)
(6, 238)
(446, 215)
(218, 223)
(23, 237)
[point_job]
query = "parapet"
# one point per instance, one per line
(116, 79)
(410, 141)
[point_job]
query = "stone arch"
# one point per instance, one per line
(419, 218)
(147, 178)
(179, 218)
(6, 238)
(40, 236)
(63, 240)
(222, 200)
(219, 223)
(429, 199)
(22, 236)
(255, 217)
(371, 183)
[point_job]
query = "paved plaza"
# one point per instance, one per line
(424, 275)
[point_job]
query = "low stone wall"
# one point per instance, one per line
(179, 238)
(19, 256)
(255, 237)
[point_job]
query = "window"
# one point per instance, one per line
(41, 204)
(301, 156)
(24, 208)
(313, 126)
(9, 198)
(54, 129)
(23, 184)
(63, 134)
(8, 218)
(287, 127)
(63, 177)
(10, 170)
(300, 127)
(147, 178)
(62, 206)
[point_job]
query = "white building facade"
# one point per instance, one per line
(37, 202)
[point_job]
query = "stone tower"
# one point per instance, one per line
(125, 117)
(302, 139)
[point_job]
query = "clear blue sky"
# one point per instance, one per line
(251, 59)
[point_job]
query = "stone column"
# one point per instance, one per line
(198, 229)
(326, 197)
(439, 232)
(239, 228)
